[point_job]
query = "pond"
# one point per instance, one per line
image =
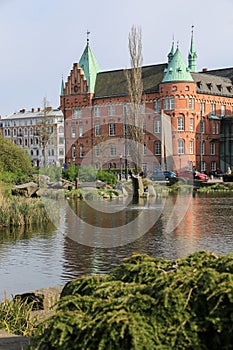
(94, 237)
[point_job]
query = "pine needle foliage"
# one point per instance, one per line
(148, 303)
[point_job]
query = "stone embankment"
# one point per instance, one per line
(45, 300)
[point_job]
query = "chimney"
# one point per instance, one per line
(38, 109)
(204, 70)
(33, 110)
(22, 110)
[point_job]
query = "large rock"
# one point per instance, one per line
(28, 189)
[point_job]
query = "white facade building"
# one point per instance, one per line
(39, 132)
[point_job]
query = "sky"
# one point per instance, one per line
(41, 39)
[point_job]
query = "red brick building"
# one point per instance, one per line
(181, 112)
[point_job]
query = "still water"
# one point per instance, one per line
(167, 227)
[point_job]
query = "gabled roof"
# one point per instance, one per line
(114, 83)
(177, 69)
(90, 67)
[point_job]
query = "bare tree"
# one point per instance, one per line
(43, 130)
(135, 91)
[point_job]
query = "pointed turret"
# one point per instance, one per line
(177, 69)
(89, 65)
(62, 87)
(192, 57)
(171, 53)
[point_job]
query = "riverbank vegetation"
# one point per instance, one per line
(23, 212)
(145, 304)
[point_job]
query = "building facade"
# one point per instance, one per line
(181, 112)
(39, 132)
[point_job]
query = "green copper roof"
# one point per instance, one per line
(177, 69)
(192, 57)
(62, 87)
(90, 67)
(171, 53)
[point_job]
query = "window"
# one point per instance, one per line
(97, 111)
(126, 109)
(127, 129)
(61, 129)
(157, 107)
(180, 146)
(31, 152)
(25, 131)
(61, 140)
(202, 126)
(191, 147)
(14, 132)
(213, 108)
(73, 131)
(144, 149)
(97, 130)
(212, 148)
(77, 113)
(81, 151)
(169, 103)
(113, 150)
(174, 88)
(25, 142)
(112, 130)
(111, 110)
(31, 131)
(213, 166)
(97, 150)
(81, 130)
(191, 103)
(202, 108)
(186, 88)
(61, 151)
(157, 148)
(157, 126)
(144, 126)
(180, 126)
(222, 110)
(127, 149)
(191, 124)
(31, 141)
(203, 148)
(73, 151)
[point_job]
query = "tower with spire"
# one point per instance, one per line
(89, 65)
(171, 53)
(192, 57)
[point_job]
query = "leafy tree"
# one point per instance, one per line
(15, 163)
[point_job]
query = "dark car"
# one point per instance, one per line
(162, 175)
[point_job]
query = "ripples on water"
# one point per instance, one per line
(33, 260)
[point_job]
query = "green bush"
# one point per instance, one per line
(107, 177)
(148, 303)
(87, 173)
(15, 163)
(71, 172)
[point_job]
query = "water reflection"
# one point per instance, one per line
(36, 259)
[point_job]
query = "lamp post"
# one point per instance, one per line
(120, 166)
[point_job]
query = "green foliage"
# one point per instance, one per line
(23, 212)
(87, 173)
(148, 303)
(53, 172)
(71, 172)
(15, 163)
(107, 177)
(16, 317)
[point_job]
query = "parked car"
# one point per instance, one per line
(190, 175)
(162, 175)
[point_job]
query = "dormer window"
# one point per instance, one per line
(229, 88)
(209, 85)
(199, 84)
(219, 86)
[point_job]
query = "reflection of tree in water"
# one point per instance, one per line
(20, 233)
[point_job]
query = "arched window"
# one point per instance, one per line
(25, 131)
(73, 151)
(61, 129)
